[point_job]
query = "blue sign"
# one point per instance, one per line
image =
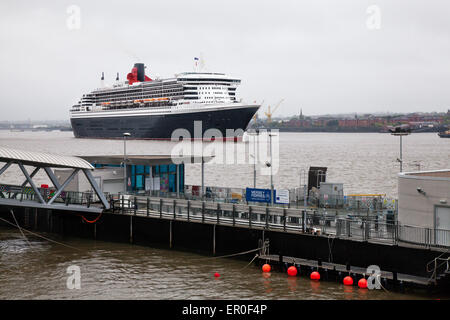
(257, 195)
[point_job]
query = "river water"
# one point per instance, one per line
(36, 268)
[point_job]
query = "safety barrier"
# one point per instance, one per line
(366, 229)
(424, 236)
(361, 204)
(438, 266)
(20, 193)
(305, 220)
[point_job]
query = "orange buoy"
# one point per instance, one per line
(362, 283)
(348, 281)
(292, 271)
(266, 268)
(315, 275)
(216, 275)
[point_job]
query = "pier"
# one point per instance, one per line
(293, 236)
(304, 237)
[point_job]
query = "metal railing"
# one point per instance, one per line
(65, 197)
(366, 229)
(367, 204)
(424, 236)
(438, 263)
(305, 220)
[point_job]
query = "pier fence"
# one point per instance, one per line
(27, 194)
(353, 204)
(378, 229)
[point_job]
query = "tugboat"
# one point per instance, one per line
(444, 134)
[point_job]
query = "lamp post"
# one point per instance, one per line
(254, 156)
(125, 135)
(270, 165)
(401, 134)
(271, 171)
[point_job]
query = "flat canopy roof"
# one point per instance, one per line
(442, 174)
(33, 158)
(146, 160)
(433, 175)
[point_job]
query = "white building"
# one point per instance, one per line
(424, 201)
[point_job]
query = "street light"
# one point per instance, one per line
(125, 135)
(271, 165)
(401, 134)
(254, 156)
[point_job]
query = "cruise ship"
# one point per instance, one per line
(154, 108)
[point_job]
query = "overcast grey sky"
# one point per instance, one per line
(324, 56)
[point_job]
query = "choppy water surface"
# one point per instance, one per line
(37, 269)
(364, 162)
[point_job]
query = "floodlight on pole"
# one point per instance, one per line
(401, 134)
(125, 135)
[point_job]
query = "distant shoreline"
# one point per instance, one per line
(306, 130)
(348, 130)
(36, 129)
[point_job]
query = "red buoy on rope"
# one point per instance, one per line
(266, 268)
(315, 275)
(216, 275)
(292, 271)
(348, 281)
(362, 283)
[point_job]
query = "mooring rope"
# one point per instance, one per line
(330, 248)
(383, 287)
(257, 255)
(20, 229)
(228, 255)
(40, 236)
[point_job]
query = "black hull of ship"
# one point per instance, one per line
(162, 126)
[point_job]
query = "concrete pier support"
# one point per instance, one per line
(131, 229)
(35, 218)
(214, 240)
(49, 220)
(170, 235)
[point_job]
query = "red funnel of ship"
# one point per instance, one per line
(137, 74)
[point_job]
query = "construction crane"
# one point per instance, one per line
(269, 112)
